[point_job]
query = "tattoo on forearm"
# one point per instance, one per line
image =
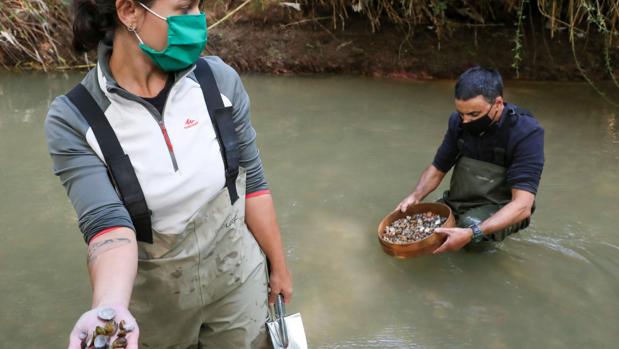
(100, 247)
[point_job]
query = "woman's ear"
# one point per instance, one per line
(129, 13)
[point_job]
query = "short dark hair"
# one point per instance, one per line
(479, 81)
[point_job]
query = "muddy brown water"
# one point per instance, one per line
(339, 154)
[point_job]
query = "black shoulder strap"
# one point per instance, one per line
(500, 154)
(119, 166)
(460, 144)
(221, 117)
(514, 111)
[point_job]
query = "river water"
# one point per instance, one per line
(340, 152)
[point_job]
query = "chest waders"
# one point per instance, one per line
(207, 286)
(478, 189)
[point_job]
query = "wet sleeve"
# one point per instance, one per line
(447, 152)
(527, 164)
(81, 172)
(250, 155)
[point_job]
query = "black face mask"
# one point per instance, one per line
(478, 126)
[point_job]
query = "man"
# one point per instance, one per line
(498, 152)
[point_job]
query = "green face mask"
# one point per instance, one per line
(186, 41)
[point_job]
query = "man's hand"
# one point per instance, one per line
(280, 282)
(429, 180)
(87, 323)
(456, 238)
(410, 200)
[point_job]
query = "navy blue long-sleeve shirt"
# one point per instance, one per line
(523, 144)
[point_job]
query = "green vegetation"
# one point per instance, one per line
(36, 34)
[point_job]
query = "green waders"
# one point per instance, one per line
(205, 287)
(478, 189)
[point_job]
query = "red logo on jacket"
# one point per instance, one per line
(190, 123)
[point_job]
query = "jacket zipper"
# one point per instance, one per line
(158, 117)
(164, 131)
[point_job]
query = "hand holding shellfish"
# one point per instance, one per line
(105, 328)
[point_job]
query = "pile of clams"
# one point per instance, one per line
(101, 337)
(412, 228)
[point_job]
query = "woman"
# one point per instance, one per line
(196, 266)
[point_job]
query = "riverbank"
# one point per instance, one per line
(268, 37)
(311, 46)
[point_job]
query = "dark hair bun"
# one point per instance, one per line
(92, 20)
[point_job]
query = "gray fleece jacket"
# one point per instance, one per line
(176, 155)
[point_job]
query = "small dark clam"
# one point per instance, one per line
(99, 331)
(122, 332)
(110, 328)
(120, 342)
(84, 340)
